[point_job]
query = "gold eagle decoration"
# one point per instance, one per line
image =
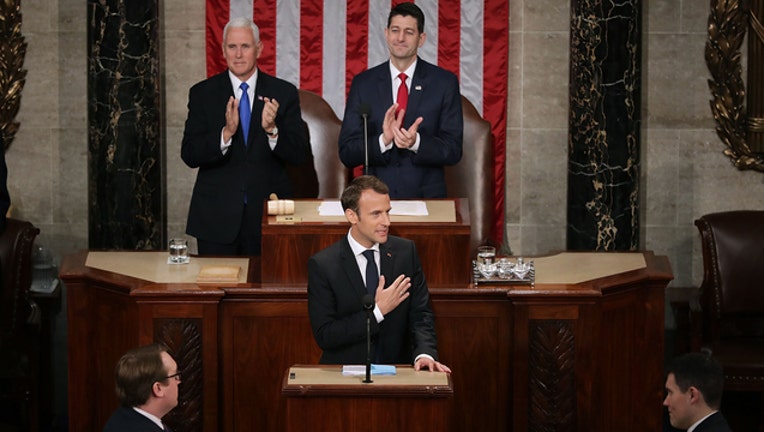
(727, 26)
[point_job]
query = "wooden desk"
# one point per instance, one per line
(577, 352)
(444, 247)
(320, 398)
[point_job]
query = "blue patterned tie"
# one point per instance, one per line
(245, 112)
(372, 275)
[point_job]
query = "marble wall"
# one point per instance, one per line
(684, 173)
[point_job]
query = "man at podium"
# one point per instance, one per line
(369, 262)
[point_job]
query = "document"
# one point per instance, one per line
(360, 370)
(401, 208)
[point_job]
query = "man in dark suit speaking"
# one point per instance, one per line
(243, 126)
(414, 112)
(369, 261)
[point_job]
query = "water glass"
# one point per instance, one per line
(485, 255)
(178, 251)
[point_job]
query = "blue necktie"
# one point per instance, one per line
(372, 275)
(245, 112)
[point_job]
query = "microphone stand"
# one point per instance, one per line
(368, 305)
(365, 116)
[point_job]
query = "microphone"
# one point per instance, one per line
(364, 109)
(368, 306)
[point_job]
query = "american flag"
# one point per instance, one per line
(320, 45)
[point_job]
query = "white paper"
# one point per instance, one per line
(360, 370)
(330, 208)
(400, 208)
(408, 208)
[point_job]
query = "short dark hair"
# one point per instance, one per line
(137, 371)
(701, 371)
(408, 9)
(352, 193)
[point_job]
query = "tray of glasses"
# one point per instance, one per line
(505, 271)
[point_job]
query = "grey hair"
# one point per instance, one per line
(241, 22)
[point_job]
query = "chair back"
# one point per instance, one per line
(324, 176)
(732, 293)
(16, 244)
(473, 176)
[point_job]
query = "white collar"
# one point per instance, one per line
(409, 71)
(358, 248)
(150, 416)
(692, 428)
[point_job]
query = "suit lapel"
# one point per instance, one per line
(349, 265)
(387, 261)
(385, 86)
(415, 92)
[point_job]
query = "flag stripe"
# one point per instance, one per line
(448, 36)
(288, 40)
(356, 48)
(333, 62)
(217, 15)
(311, 45)
(320, 45)
(495, 69)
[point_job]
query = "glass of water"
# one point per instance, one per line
(486, 255)
(178, 251)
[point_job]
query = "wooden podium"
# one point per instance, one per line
(320, 398)
(442, 240)
(568, 353)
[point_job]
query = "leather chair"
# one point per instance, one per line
(730, 323)
(324, 176)
(19, 322)
(473, 176)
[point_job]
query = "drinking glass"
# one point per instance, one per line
(485, 255)
(178, 251)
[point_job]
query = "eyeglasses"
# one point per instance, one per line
(175, 375)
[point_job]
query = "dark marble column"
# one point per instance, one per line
(603, 141)
(127, 209)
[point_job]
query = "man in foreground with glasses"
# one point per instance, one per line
(147, 380)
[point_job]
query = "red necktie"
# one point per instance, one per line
(403, 93)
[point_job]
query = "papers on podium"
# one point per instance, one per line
(400, 208)
(360, 370)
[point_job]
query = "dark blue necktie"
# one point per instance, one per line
(372, 275)
(245, 112)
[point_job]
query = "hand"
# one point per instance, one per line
(390, 124)
(270, 108)
(398, 291)
(231, 118)
(406, 138)
(425, 362)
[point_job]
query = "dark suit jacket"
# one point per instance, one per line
(222, 181)
(335, 290)
(128, 420)
(714, 423)
(433, 95)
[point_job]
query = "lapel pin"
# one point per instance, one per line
(418, 87)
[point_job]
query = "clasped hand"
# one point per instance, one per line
(268, 121)
(393, 132)
(389, 299)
